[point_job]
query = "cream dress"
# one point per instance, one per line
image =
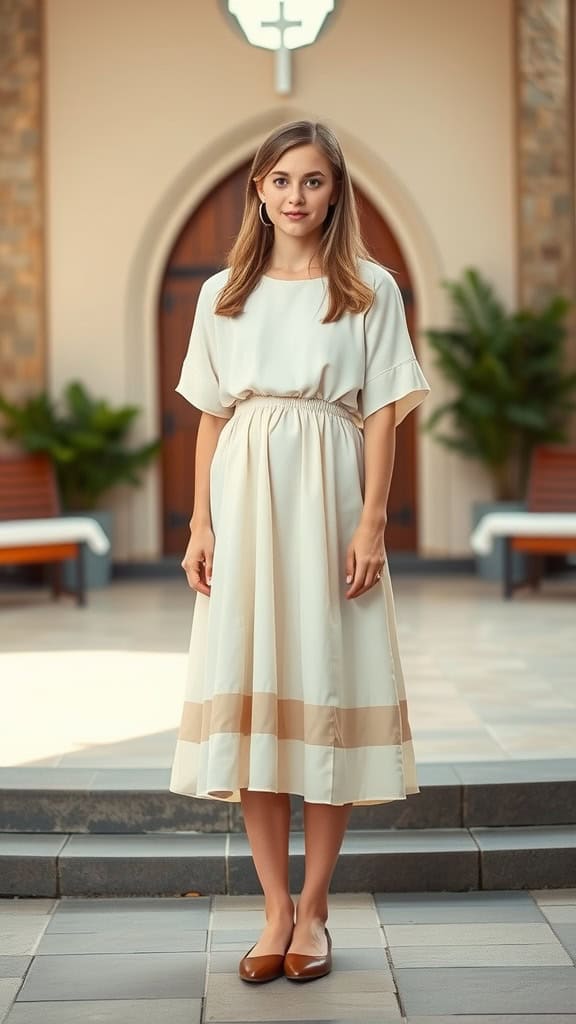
(290, 686)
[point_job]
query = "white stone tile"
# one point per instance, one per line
(27, 906)
(469, 934)
(21, 935)
(502, 955)
(357, 995)
(563, 897)
(8, 991)
(559, 914)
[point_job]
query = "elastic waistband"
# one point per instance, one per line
(313, 404)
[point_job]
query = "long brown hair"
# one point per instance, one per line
(341, 244)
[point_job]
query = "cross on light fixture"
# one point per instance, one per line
(283, 62)
(282, 26)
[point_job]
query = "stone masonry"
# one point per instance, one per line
(545, 153)
(22, 328)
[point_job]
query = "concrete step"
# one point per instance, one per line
(485, 794)
(372, 860)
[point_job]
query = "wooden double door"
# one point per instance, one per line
(199, 251)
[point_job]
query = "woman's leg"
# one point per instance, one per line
(267, 821)
(324, 828)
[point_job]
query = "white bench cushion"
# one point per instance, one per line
(521, 524)
(16, 532)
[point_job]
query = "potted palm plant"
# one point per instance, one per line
(87, 443)
(510, 388)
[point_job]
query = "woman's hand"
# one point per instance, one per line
(365, 559)
(198, 559)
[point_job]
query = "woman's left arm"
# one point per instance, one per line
(366, 551)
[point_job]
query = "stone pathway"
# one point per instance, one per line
(419, 958)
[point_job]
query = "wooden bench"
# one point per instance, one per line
(30, 507)
(551, 490)
(548, 524)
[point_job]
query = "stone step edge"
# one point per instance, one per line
(118, 809)
(173, 864)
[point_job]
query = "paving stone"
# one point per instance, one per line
(117, 1011)
(237, 939)
(122, 976)
(423, 907)
(15, 905)
(361, 995)
(20, 935)
(469, 934)
(130, 940)
(563, 897)
(502, 955)
(567, 935)
(560, 914)
(124, 921)
(238, 903)
(514, 990)
(8, 991)
(14, 966)
(134, 905)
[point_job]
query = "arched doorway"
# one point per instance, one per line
(199, 251)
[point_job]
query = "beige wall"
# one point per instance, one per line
(149, 102)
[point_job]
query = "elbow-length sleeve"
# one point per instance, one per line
(392, 372)
(199, 382)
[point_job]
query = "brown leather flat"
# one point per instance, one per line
(299, 967)
(261, 968)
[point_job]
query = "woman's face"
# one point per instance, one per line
(301, 183)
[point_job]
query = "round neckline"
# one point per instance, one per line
(294, 280)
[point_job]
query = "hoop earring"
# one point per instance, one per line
(261, 209)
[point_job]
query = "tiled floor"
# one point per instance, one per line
(486, 679)
(421, 958)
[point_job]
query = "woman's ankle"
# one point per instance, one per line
(279, 910)
(312, 910)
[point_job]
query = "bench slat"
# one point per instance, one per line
(38, 553)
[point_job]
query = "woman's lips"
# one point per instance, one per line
(295, 216)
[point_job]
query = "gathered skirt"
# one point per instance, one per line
(290, 686)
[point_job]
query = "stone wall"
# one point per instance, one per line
(22, 329)
(545, 127)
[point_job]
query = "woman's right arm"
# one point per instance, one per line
(198, 557)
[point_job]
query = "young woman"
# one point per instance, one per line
(301, 362)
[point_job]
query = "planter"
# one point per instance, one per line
(97, 568)
(491, 567)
